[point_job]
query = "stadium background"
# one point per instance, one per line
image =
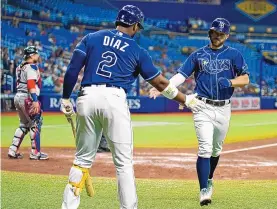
(165, 144)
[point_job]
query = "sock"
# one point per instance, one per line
(203, 170)
(213, 163)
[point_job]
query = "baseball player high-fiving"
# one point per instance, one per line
(217, 70)
(112, 61)
(27, 105)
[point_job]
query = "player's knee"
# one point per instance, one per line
(205, 151)
(22, 130)
(216, 152)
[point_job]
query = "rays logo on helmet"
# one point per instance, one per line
(221, 24)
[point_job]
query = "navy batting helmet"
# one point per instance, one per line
(130, 15)
(221, 25)
(30, 50)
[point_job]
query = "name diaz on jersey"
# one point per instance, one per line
(115, 43)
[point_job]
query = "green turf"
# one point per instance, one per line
(244, 127)
(33, 191)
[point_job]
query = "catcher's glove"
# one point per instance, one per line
(29, 108)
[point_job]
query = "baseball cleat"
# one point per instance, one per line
(39, 156)
(210, 188)
(103, 149)
(14, 155)
(204, 198)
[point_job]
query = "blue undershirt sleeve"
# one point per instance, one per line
(77, 62)
(70, 78)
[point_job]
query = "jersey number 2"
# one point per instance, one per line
(109, 60)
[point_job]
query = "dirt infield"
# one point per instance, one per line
(248, 160)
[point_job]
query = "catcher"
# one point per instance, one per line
(28, 84)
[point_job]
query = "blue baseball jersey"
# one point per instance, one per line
(209, 65)
(114, 58)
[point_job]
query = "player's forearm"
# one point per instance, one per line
(70, 78)
(31, 85)
(159, 82)
(177, 79)
(240, 81)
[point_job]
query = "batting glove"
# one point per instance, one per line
(193, 103)
(67, 108)
(224, 82)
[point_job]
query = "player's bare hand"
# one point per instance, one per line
(67, 108)
(193, 103)
(154, 93)
(35, 108)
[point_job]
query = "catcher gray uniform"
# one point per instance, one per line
(28, 122)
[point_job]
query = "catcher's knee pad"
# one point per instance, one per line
(78, 178)
(18, 137)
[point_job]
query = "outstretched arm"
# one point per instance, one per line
(240, 81)
(176, 80)
(171, 92)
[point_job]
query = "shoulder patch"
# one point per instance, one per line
(33, 66)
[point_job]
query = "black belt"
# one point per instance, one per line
(213, 102)
(26, 92)
(105, 84)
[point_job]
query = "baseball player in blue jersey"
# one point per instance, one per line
(112, 61)
(217, 70)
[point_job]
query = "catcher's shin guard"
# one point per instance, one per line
(35, 131)
(78, 178)
(17, 139)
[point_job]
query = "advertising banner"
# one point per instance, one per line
(246, 103)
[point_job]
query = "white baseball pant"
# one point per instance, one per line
(211, 126)
(104, 109)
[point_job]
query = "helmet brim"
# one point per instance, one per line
(216, 29)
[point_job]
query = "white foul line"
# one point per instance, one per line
(249, 148)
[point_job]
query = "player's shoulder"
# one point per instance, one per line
(32, 67)
(96, 34)
(142, 52)
(198, 52)
(233, 50)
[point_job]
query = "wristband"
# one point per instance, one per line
(170, 91)
(34, 97)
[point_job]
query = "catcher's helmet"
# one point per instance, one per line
(130, 15)
(30, 50)
(221, 25)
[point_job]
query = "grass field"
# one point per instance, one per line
(152, 130)
(34, 191)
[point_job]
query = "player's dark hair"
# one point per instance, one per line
(117, 23)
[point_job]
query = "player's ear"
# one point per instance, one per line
(134, 27)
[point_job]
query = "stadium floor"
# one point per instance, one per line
(244, 160)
